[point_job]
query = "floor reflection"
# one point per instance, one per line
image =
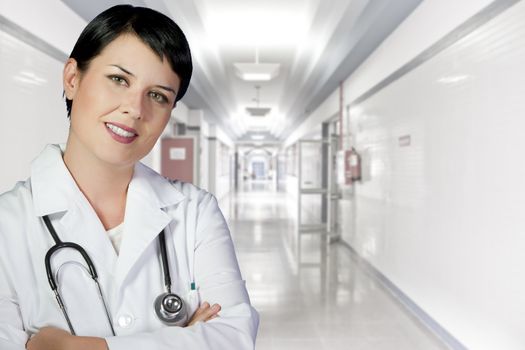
(326, 301)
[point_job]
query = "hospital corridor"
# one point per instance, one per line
(262, 175)
(329, 301)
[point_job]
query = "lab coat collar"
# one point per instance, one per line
(154, 188)
(51, 182)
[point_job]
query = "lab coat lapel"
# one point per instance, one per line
(148, 194)
(54, 191)
(82, 226)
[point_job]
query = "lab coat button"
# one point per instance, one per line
(125, 321)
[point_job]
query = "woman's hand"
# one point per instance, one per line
(52, 338)
(204, 313)
(49, 338)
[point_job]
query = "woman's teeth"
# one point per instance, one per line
(119, 131)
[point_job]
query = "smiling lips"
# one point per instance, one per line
(121, 133)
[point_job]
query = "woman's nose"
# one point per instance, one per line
(133, 105)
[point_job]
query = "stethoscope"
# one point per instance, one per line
(169, 307)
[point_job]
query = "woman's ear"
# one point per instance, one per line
(71, 78)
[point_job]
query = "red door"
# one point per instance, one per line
(178, 158)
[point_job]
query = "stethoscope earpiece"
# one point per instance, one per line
(170, 309)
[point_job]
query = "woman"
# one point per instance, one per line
(126, 72)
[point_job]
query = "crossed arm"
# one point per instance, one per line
(51, 338)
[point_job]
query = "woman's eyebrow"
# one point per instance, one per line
(122, 69)
(167, 88)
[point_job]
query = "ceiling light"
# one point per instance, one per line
(257, 71)
(258, 128)
(257, 111)
(256, 76)
(258, 137)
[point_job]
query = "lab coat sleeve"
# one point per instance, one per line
(12, 334)
(219, 281)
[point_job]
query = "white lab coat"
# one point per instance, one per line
(199, 248)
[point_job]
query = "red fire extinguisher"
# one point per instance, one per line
(352, 166)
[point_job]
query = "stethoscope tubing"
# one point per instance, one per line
(164, 258)
(51, 279)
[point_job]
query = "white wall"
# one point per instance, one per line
(442, 218)
(224, 174)
(181, 113)
(51, 20)
(32, 111)
(291, 155)
(205, 166)
(224, 156)
(214, 175)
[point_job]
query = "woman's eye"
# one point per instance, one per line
(158, 97)
(119, 80)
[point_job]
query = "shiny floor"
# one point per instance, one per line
(325, 301)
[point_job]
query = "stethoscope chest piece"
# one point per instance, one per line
(171, 309)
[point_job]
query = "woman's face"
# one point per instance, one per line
(122, 102)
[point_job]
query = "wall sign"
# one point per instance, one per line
(404, 141)
(177, 153)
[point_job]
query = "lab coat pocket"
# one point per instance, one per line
(193, 302)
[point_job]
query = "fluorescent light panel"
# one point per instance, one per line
(256, 77)
(257, 71)
(258, 111)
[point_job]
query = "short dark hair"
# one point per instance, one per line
(155, 29)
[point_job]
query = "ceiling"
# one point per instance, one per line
(317, 44)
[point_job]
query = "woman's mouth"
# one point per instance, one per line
(121, 133)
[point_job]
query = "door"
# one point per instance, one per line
(178, 158)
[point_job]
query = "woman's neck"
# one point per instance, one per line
(104, 185)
